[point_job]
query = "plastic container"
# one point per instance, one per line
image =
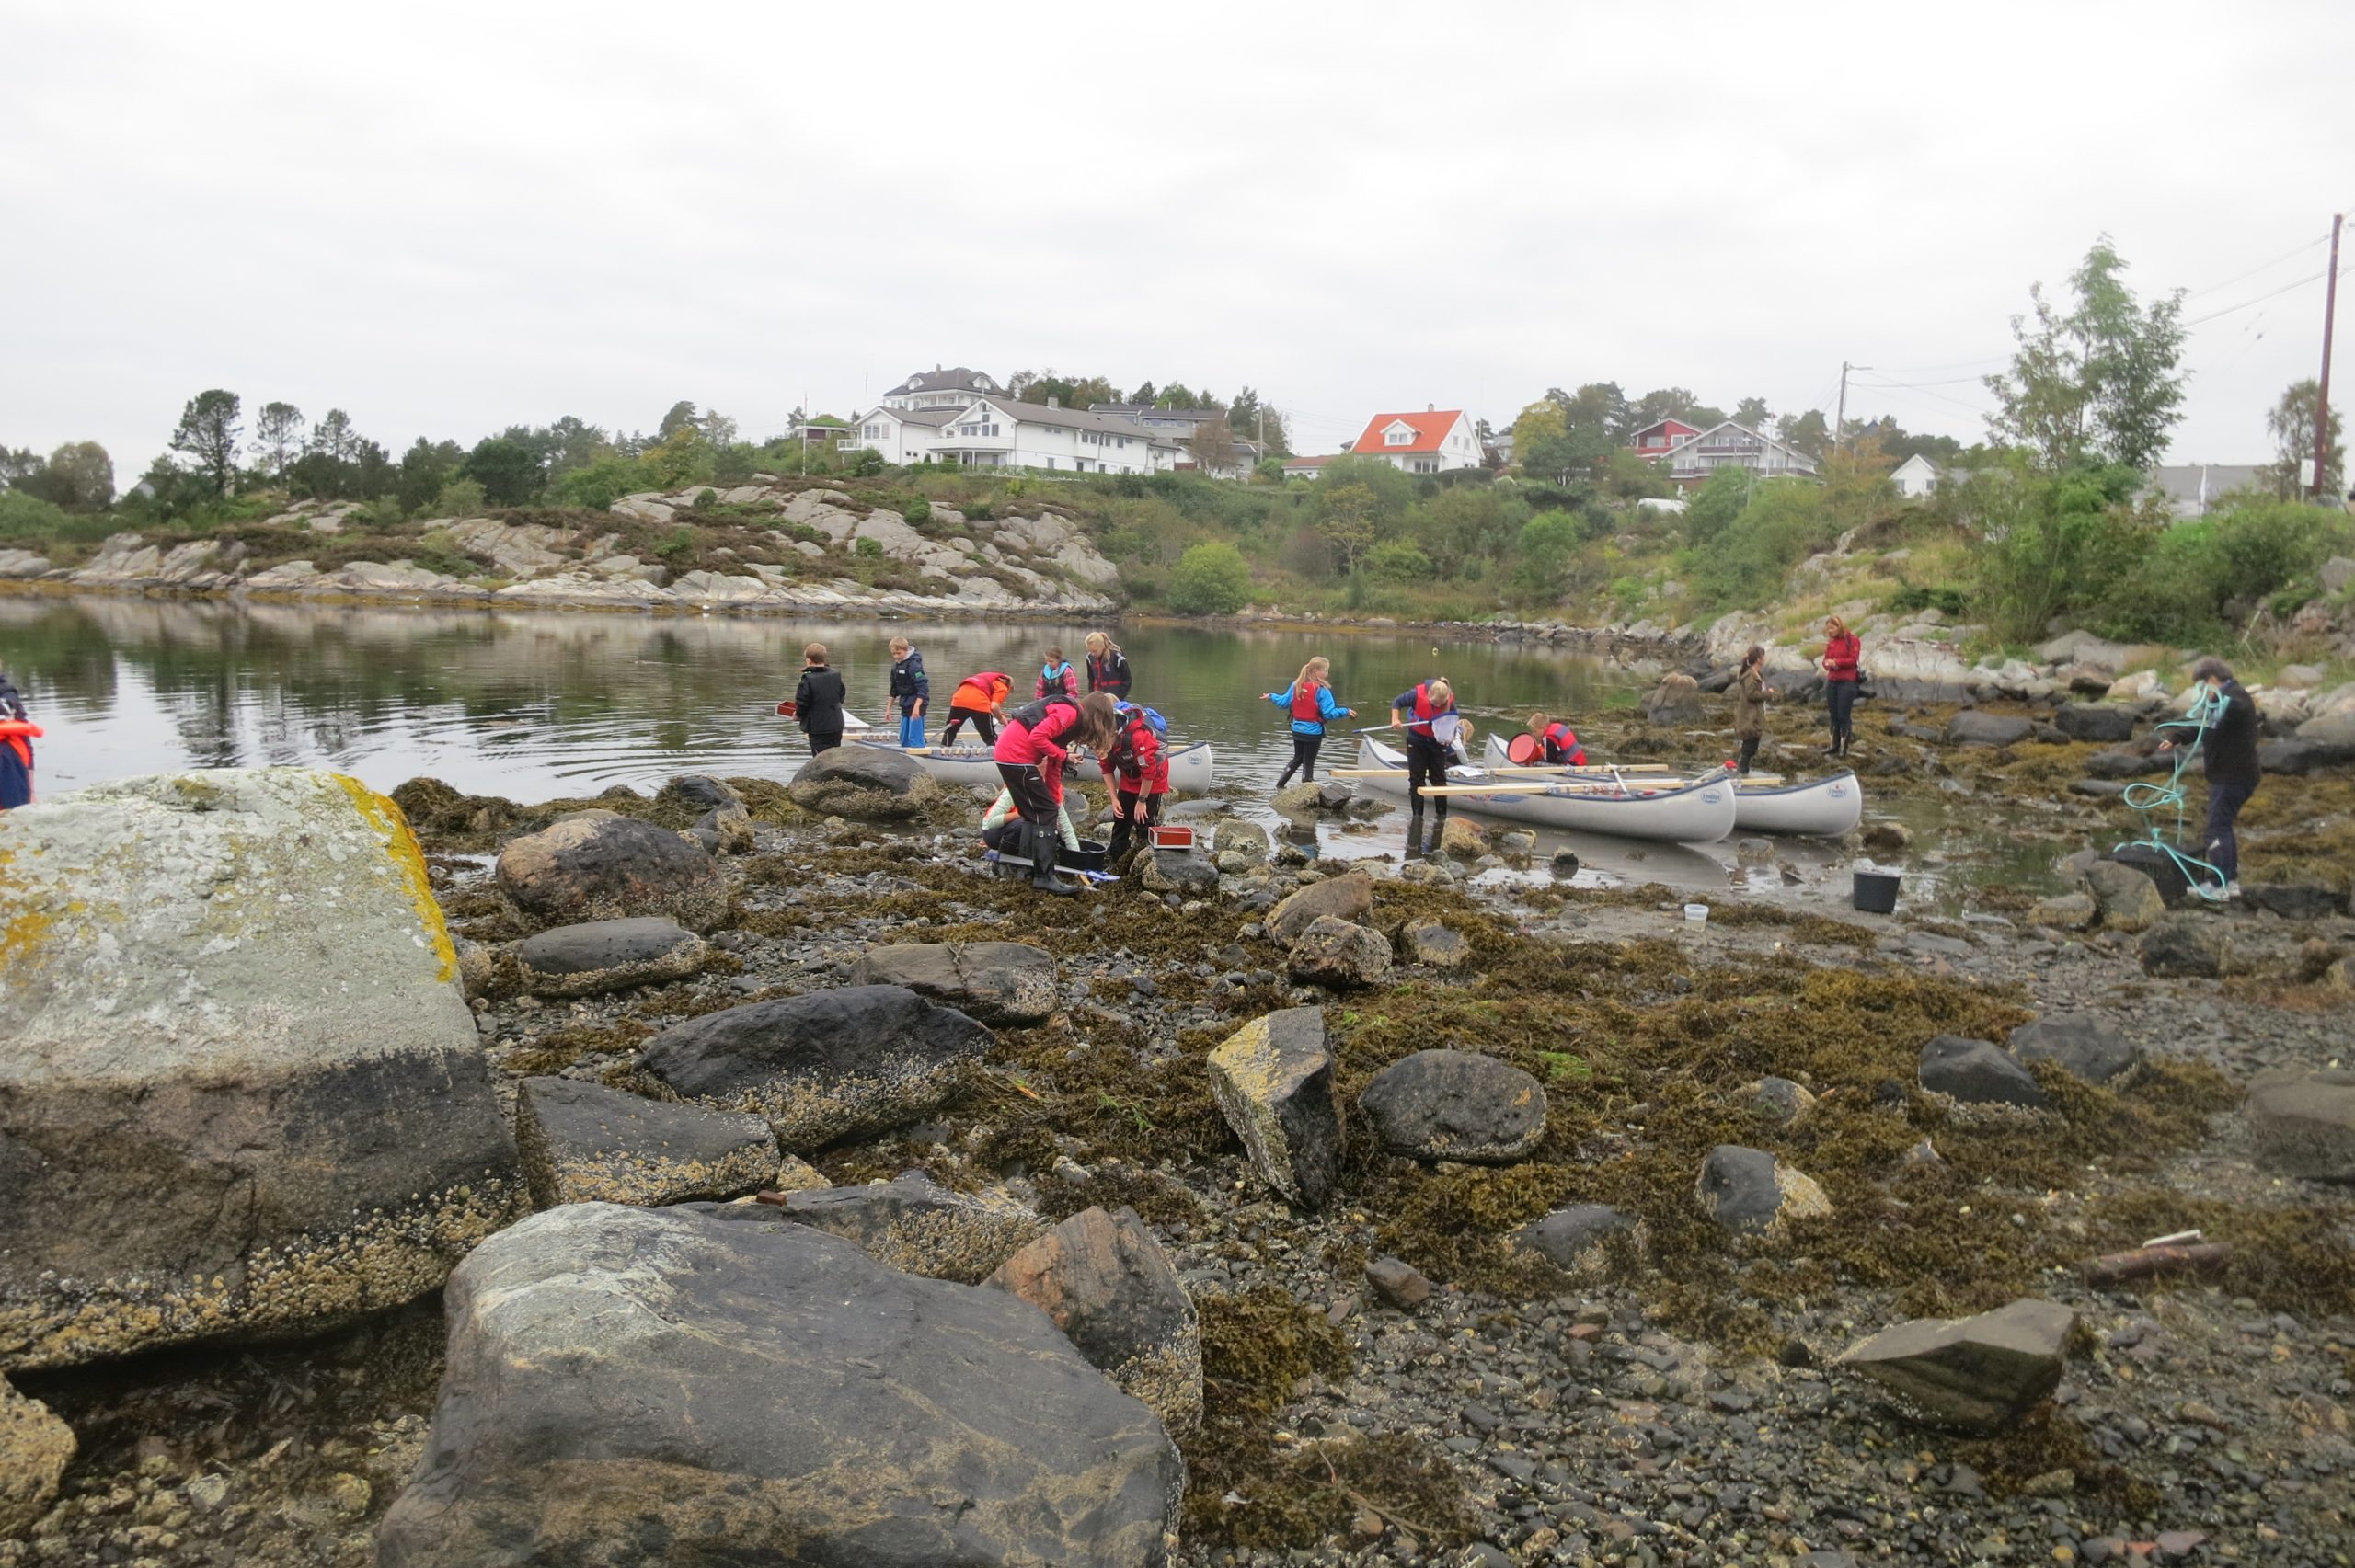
(1696, 914)
(786, 709)
(1875, 892)
(1172, 837)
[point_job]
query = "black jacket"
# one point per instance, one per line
(818, 701)
(1108, 673)
(12, 703)
(2230, 746)
(909, 681)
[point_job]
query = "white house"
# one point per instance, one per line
(999, 432)
(902, 435)
(1690, 462)
(1427, 443)
(1176, 423)
(1915, 478)
(2192, 489)
(1304, 467)
(938, 388)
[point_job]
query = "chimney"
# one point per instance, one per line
(1053, 402)
(1431, 408)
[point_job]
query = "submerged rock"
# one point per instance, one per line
(1443, 1105)
(241, 1093)
(35, 1448)
(1979, 1374)
(1273, 1081)
(586, 1143)
(1347, 897)
(2303, 1122)
(1752, 1193)
(604, 955)
(823, 1067)
(997, 982)
(594, 865)
(1338, 954)
(1109, 1286)
(624, 1382)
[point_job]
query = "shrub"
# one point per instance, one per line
(919, 511)
(1628, 596)
(676, 547)
(1910, 597)
(1212, 579)
(1549, 542)
(979, 511)
(867, 549)
(867, 463)
(28, 516)
(460, 497)
(1397, 561)
(1783, 524)
(705, 499)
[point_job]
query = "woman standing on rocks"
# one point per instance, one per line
(818, 701)
(1107, 667)
(1843, 654)
(1428, 715)
(912, 688)
(1310, 701)
(1750, 706)
(1030, 755)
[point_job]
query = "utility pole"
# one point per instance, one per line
(2322, 392)
(1840, 420)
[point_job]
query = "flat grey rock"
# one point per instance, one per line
(2303, 1122)
(607, 955)
(2086, 1047)
(1979, 1374)
(587, 1143)
(1461, 1106)
(997, 982)
(1978, 1072)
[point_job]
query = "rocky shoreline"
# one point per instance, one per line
(1468, 1221)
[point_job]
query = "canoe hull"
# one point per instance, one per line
(1824, 808)
(1190, 767)
(1680, 811)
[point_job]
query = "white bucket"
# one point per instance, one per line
(1696, 914)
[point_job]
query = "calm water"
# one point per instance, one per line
(534, 706)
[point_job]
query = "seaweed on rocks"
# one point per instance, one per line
(2292, 1257)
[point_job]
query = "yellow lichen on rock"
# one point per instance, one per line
(401, 846)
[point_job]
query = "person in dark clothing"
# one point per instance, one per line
(1031, 753)
(818, 701)
(1107, 667)
(1428, 715)
(2228, 755)
(1750, 706)
(17, 733)
(912, 689)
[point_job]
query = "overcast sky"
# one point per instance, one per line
(445, 219)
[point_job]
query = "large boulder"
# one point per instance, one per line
(2303, 1122)
(1443, 1105)
(1974, 727)
(638, 1386)
(1273, 1081)
(1979, 1073)
(35, 1448)
(1347, 897)
(2183, 947)
(823, 1067)
(1338, 954)
(2125, 899)
(2109, 723)
(2121, 764)
(2083, 1048)
(1109, 1286)
(1752, 1194)
(997, 982)
(594, 865)
(603, 955)
(872, 783)
(586, 1143)
(917, 1225)
(1177, 871)
(240, 1089)
(1979, 1374)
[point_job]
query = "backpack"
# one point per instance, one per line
(1160, 726)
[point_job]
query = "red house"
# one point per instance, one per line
(1653, 440)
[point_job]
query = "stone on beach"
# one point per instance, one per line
(997, 982)
(623, 1384)
(595, 865)
(35, 1448)
(220, 985)
(1979, 1374)
(1109, 1286)
(1338, 954)
(2084, 1047)
(1445, 1104)
(869, 783)
(914, 1224)
(1752, 1193)
(606, 955)
(2127, 898)
(1273, 1081)
(1347, 897)
(1571, 1238)
(1978, 1072)
(823, 1067)
(2303, 1122)
(586, 1143)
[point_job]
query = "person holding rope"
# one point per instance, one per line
(2228, 755)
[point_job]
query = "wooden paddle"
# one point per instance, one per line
(1770, 781)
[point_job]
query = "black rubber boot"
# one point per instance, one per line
(1044, 847)
(1415, 836)
(1119, 844)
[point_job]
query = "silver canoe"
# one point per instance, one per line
(1682, 811)
(1822, 808)
(1190, 766)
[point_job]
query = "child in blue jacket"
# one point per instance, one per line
(1310, 699)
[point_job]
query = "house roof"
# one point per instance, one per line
(1142, 410)
(1662, 424)
(1927, 465)
(908, 416)
(1701, 438)
(1430, 427)
(1072, 418)
(1306, 462)
(938, 380)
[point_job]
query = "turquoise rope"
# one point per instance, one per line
(2147, 800)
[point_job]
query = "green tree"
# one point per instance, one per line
(1211, 578)
(18, 465)
(1713, 507)
(1177, 394)
(718, 430)
(1547, 546)
(1397, 561)
(423, 468)
(1251, 416)
(278, 438)
(207, 436)
(1345, 516)
(2290, 423)
(682, 415)
(1750, 414)
(508, 470)
(2100, 381)
(1810, 432)
(1785, 521)
(2049, 543)
(79, 478)
(1143, 395)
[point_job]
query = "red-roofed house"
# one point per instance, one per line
(1427, 443)
(1653, 440)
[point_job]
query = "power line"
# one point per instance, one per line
(2260, 267)
(2260, 299)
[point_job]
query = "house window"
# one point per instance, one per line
(1400, 438)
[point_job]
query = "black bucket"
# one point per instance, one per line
(1875, 892)
(1088, 857)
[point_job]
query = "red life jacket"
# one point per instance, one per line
(1424, 710)
(1562, 739)
(1303, 700)
(18, 734)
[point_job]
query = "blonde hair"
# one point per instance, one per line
(1099, 643)
(1537, 720)
(899, 643)
(1439, 691)
(1314, 669)
(813, 652)
(1099, 721)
